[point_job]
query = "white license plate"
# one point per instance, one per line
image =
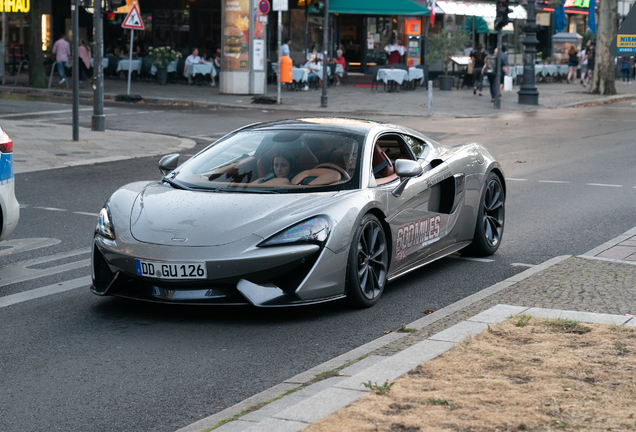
(173, 270)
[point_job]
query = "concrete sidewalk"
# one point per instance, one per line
(348, 99)
(597, 287)
(41, 146)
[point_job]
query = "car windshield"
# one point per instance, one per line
(275, 161)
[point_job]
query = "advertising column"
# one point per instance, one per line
(238, 74)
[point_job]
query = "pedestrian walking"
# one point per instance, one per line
(284, 48)
(477, 57)
(626, 69)
(84, 53)
(490, 66)
(573, 63)
(62, 51)
(591, 63)
(583, 60)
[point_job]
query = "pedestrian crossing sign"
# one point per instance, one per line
(133, 20)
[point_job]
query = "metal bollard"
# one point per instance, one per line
(430, 97)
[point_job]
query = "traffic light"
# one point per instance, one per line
(503, 9)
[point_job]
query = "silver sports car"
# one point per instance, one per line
(297, 212)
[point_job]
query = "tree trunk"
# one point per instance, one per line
(37, 77)
(605, 73)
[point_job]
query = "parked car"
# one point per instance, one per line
(9, 207)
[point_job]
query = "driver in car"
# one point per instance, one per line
(283, 165)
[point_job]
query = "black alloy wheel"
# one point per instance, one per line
(490, 220)
(368, 263)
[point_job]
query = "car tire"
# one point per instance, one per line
(368, 263)
(490, 218)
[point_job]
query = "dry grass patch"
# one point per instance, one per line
(522, 375)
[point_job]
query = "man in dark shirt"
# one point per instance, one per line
(477, 57)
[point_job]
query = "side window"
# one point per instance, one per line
(394, 147)
(417, 146)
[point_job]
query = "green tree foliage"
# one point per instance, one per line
(443, 45)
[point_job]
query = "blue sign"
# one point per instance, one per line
(6, 168)
(263, 7)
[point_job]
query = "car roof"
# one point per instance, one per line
(339, 124)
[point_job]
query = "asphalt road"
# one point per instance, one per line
(74, 361)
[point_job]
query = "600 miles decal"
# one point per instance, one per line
(420, 233)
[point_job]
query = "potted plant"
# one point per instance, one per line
(161, 57)
(443, 46)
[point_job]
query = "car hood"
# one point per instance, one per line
(167, 216)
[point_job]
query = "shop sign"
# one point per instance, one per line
(23, 6)
(625, 43)
(577, 3)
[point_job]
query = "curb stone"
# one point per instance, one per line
(341, 394)
(338, 362)
(110, 97)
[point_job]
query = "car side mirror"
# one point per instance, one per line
(168, 163)
(405, 169)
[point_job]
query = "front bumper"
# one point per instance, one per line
(266, 277)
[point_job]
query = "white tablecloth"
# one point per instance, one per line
(201, 68)
(104, 62)
(172, 67)
(300, 74)
(416, 74)
(123, 65)
(397, 75)
(539, 69)
(339, 69)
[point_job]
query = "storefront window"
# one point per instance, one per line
(381, 31)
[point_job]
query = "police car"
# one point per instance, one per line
(9, 207)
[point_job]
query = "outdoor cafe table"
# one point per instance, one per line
(300, 74)
(416, 74)
(392, 77)
(172, 67)
(104, 62)
(540, 69)
(200, 68)
(123, 65)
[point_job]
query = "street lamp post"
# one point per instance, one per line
(98, 120)
(325, 52)
(528, 94)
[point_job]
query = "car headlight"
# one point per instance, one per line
(314, 230)
(104, 226)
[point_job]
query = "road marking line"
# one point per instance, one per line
(603, 185)
(44, 291)
(51, 209)
(87, 214)
(23, 245)
(24, 205)
(42, 113)
(521, 265)
(516, 179)
(553, 181)
(19, 272)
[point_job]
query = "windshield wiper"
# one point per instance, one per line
(173, 184)
(256, 191)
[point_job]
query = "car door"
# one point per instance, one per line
(418, 217)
